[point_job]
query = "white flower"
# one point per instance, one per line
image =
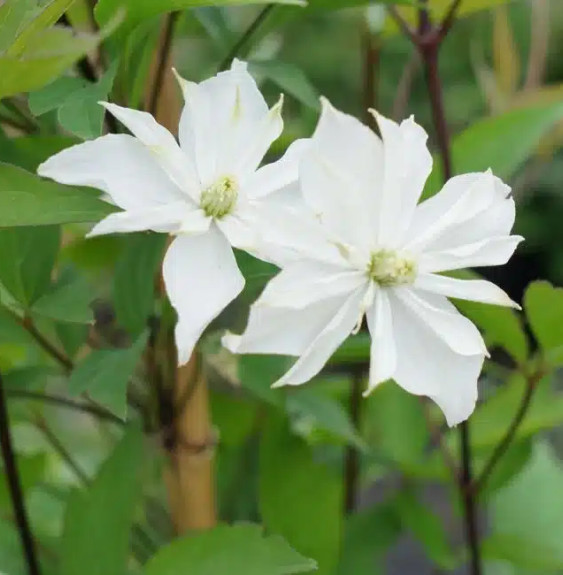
(381, 256)
(207, 191)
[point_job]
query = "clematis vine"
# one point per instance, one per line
(207, 190)
(372, 250)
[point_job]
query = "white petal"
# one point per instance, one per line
(283, 331)
(469, 208)
(289, 233)
(278, 175)
(302, 283)
(339, 176)
(117, 164)
(164, 219)
(383, 354)
(326, 343)
(474, 290)
(201, 278)
(220, 121)
(161, 144)
(489, 252)
(441, 316)
(194, 222)
(426, 365)
(239, 232)
(407, 165)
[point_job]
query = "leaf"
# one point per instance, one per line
(544, 309)
(258, 372)
(98, 520)
(299, 498)
(355, 349)
(133, 284)
(426, 528)
(27, 257)
(289, 78)
(54, 95)
(530, 510)
(324, 412)
(105, 375)
(368, 534)
(13, 16)
(502, 143)
(27, 200)
(138, 10)
(226, 550)
(28, 152)
(394, 423)
(68, 301)
(81, 114)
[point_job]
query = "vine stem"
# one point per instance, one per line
(15, 488)
(428, 39)
(351, 457)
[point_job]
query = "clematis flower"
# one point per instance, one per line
(208, 190)
(374, 251)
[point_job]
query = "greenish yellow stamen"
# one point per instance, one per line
(220, 198)
(388, 268)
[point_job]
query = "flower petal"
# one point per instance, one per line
(239, 232)
(383, 354)
(302, 283)
(326, 343)
(428, 366)
(473, 290)
(339, 174)
(161, 144)
(441, 316)
(117, 164)
(282, 331)
(407, 165)
(221, 119)
(201, 278)
(194, 222)
(278, 175)
(164, 219)
(469, 208)
(489, 252)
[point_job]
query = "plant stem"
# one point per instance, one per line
(352, 458)
(247, 35)
(14, 485)
(94, 410)
(531, 385)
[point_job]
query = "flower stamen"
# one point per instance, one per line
(219, 199)
(388, 268)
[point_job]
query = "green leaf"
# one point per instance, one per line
(529, 513)
(502, 143)
(13, 16)
(299, 498)
(68, 301)
(368, 535)
(54, 95)
(290, 79)
(81, 114)
(544, 308)
(394, 423)
(324, 412)
(133, 285)
(355, 349)
(258, 372)
(27, 200)
(105, 375)
(98, 520)
(426, 528)
(226, 550)
(27, 257)
(28, 152)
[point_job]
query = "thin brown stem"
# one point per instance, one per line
(93, 410)
(352, 457)
(502, 447)
(371, 54)
(448, 20)
(404, 88)
(162, 58)
(402, 24)
(15, 488)
(246, 36)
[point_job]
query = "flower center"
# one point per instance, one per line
(388, 268)
(220, 198)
